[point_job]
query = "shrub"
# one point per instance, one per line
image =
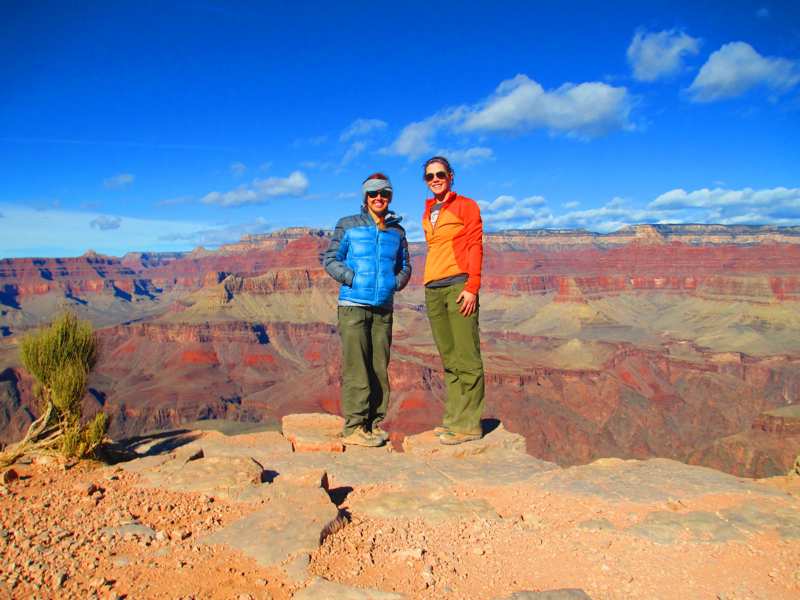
(60, 358)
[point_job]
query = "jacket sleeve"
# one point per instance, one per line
(473, 234)
(333, 257)
(403, 265)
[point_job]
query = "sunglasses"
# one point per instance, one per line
(383, 193)
(437, 175)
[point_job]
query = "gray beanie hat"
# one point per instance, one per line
(373, 185)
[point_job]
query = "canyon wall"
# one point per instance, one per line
(676, 341)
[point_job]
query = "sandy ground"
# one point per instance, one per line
(539, 545)
(53, 544)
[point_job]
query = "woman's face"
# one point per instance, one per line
(380, 203)
(437, 178)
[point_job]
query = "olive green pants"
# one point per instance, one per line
(366, 334)
(458, 341)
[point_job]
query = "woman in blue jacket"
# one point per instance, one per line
(368, 255)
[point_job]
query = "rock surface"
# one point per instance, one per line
(315, 432)
(294, 522)
(321, 588)
(490, 522)
(495, 441)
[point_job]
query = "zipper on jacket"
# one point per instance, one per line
(377, 262)
(433, 225)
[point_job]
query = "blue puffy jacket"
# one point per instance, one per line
(370, 263)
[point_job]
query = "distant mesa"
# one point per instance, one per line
(677, 341)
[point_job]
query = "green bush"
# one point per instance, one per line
(72, 445)
(60, 358)
(95, 431)
(56, 356)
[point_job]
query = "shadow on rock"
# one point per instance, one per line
(339, 495)
(489, 425)
(154, 444)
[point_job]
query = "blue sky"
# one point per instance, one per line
(129, 126)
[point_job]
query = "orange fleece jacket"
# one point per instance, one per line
(455, 243)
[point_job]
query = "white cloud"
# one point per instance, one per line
(237, 197)
(610, 217)
(31, 232)
(238, 169)
(265, 166)
(507, 210)
(656, 55)
(362, 127)
(773, 205)
(346, 195)
(214, 236)
(119, 181)
(585, 110)
(415, 139)
(105, 223)
(777, 206)
(572, 204)
(296, 184)
(467, 156)
(582, 111)
(737, 68)
(353, 151)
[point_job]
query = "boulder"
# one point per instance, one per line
(295, 521)
(313, 432)
(220, 476)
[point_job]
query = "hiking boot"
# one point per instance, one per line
(379, 433)
(451, 438)
(360, 437)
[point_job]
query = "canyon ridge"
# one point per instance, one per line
(671, 341)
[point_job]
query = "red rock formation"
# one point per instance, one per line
(778, 423)
(640, 402)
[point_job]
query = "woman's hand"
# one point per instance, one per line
(468, 302)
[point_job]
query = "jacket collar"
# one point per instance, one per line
(451, 195)
(391, 218)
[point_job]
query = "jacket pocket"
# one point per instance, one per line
(348, 277)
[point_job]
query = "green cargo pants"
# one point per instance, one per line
(366, 333)
(458, 341)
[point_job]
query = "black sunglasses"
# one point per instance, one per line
(385, 193)
(437, 175)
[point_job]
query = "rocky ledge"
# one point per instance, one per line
(196, 514)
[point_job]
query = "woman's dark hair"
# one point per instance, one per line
(376, 176)
(373, 176)
(439, 159)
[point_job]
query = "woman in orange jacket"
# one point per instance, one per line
(454, 233)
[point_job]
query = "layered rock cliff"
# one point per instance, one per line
(672, 341)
